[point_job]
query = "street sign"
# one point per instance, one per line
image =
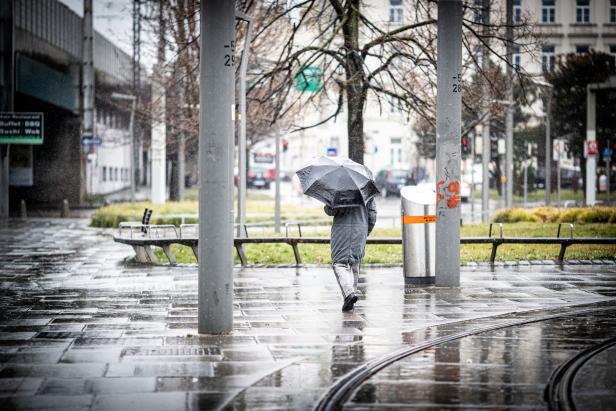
(309, 79)
(591, 147)
(606, 153)
(332, 151)
(21, 128)
(267, 158)
(89, 140)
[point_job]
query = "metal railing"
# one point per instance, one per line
(142, 243)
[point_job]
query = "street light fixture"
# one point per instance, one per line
(133, 99)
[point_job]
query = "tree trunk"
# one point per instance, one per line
(355, 81)
(355, 122)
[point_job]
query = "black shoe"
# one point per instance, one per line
(349, 302)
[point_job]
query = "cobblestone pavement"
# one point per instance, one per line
(81, 330)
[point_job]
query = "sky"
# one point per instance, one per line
(114, 20)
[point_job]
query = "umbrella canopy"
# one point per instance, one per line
(337, 182)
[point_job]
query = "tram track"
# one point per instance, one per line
(341, 391)
(559, 391)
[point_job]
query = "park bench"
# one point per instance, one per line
(143, 237)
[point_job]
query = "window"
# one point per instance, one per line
(396, 11)
(582, 11)
(104, 173)
(116, 174)
(516, 58)
(548, 11)
(517, 11)
(394, 105)
(395, 150)
(613, 52)
(478, 11)
(582, 48)
(612, 11)
(547, 58)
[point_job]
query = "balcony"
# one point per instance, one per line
(583, 30)
(549, 29)
(609, 30)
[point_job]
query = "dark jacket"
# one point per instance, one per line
(350, 228)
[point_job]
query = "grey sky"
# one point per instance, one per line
(113, 19)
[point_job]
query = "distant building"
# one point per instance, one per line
(47, 52)
(566, 26)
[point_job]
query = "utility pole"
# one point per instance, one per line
(608, 159)
(216, 140)
(559, 154)
(548, 151)
(88, 86)
(6, 97)
(509, 110)
(472, 142)
(181, 171)
(159, 126)
(136, 148)
(277, 185)
(526, 147)
(591, 139)
(485, 156)
(448, 131)
(241, 146)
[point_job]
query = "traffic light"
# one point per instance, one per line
(466, 146)
(285, 145)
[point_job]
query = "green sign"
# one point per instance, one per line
(21, 128)
(309, 79)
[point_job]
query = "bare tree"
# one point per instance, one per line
(363, 57)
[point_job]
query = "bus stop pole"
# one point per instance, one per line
(216, 139)
(448, 131)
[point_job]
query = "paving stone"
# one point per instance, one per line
(40, 402)
(86, 325)
(150, 402)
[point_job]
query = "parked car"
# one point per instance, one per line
(389, 181)
(257, 178)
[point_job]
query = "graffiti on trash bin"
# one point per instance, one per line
(447, 194)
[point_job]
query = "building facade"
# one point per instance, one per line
(48, 59)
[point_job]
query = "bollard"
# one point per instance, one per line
(418, 234)
(64, 210)
(22, 210)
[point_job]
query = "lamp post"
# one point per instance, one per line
(131, 131)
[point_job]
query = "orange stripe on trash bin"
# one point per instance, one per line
(418, 219)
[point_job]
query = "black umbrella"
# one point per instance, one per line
(337, 182)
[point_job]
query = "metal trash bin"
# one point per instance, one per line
(418, 232)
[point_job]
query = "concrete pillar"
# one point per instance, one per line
(7, 65)
(591, 159)
(216, 139)
(448, 131)
(87, 85)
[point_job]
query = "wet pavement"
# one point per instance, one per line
(80, 330)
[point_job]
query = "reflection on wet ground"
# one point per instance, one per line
(79, 329)
(501, 369)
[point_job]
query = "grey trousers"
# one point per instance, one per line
(347, 276)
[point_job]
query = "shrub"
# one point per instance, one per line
(514, 215)
(555, 215)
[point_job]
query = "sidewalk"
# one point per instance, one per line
(80, 330)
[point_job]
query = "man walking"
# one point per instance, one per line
(350, 228)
